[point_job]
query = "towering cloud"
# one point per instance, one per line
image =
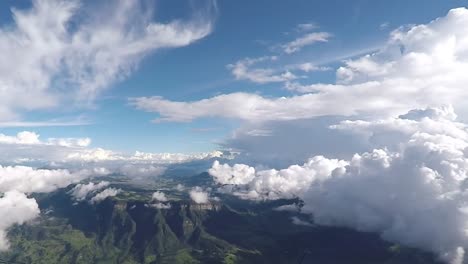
(412, 192)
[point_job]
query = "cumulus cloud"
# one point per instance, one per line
(246, 182)
(15, 208)
(81, 191)
(109, 192)
(32, 138)
(15, 181)
(28, 179)
(198, 195)
(159, 196)
(24, 137)
(160, 201)
(389, 133)
(411, 190)
(243, 70)
(419, 66)
(75, 54)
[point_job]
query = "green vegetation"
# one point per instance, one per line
(124, 229)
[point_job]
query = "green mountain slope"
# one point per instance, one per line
(128, 230)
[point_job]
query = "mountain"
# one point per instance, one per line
(128, 229)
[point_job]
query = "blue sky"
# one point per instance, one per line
(357, 107)
(199, 70)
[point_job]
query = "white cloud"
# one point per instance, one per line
(24, 137)
(15, 181)
(31, 138)
(109, 192)
(141, 170)
(28, 180)
(306, 27)
(65, 57)
(420, 66)
(159, 200)
(81, 191)
(438, 121)
(305, 40)
(46, 123)
(309, 67)
(15, 208)
(70, 142)
(198, 195)
(273, 184)
(411, 189)
(298, 221)
(384, 25)
(243, 70)
(250, 107)
(28, 148)
(238, 174)
(161, 206)
(174, 157)
(159, 196)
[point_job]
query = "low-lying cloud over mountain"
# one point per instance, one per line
(411, 190)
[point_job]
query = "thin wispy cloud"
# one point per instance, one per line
(54, 63)
(305, 40)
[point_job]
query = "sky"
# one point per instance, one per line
(356, 107)
(199, 69)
